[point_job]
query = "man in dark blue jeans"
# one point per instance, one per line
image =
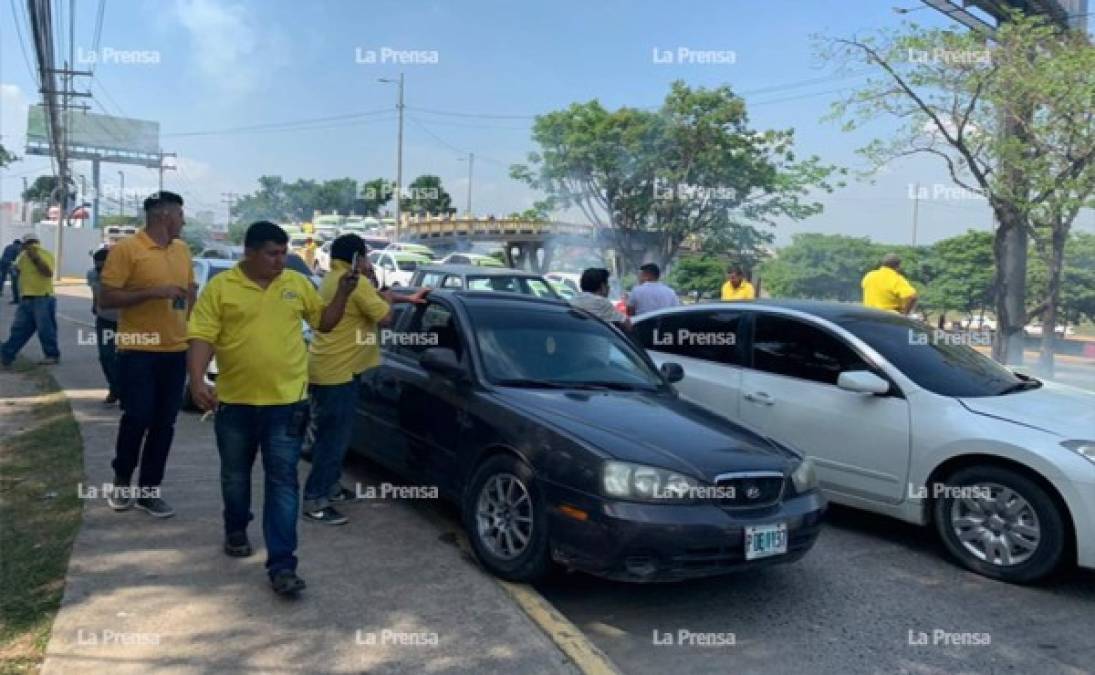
(37, 311)
(250, 317)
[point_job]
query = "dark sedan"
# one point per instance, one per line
(561, 442)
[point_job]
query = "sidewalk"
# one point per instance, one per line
(389, 592)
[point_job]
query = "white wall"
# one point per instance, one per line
(76, 245)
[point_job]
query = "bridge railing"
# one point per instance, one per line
(434, 226)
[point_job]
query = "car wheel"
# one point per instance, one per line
(999, 523)
(504, 517)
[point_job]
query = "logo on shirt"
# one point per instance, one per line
(289, 295)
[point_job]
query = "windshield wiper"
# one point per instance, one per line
(529, 382)
(1021, 385)
(560, 384)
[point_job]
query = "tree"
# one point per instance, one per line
(1077, 280)
(957, 275)
(821, 266)
(41, 190)
(6, 157)
(950, 90)
(694, 168)
(425, 196)
(375, 194)
(698, 274)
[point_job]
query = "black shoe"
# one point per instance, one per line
(155, 507)
(343, 495)
(328, 515)
(237, 545)
(287, 583)
(119, 499)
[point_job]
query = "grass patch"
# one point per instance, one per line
(40, 512)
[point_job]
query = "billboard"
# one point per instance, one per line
(103, 133)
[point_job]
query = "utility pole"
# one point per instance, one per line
(398, 156)
(471, 164)
(162, 167)
(121, 195)
(24, 199)
(230, 198)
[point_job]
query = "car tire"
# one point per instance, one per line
(484, 505)
(1034, 520)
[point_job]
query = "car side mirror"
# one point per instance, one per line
(862, 382)
(672, 371)
(443, 361)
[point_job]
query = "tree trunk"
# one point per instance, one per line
(1053, 296)
(1010, 252)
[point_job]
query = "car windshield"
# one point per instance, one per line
(508, 284)
(557, 349)
(407, 265)
(943, 363)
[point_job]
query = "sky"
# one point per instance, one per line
(233, 83)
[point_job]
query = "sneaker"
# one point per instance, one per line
(49, 361)
(237, 545)
(328, 515)
(287, 583)
(118, 499)
(343, 495)
(155, 507)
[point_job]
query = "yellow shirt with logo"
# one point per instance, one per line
(137, 262)
(886, 288)
(31, 281)
(257, 335)
(744, 291)
(352, 346)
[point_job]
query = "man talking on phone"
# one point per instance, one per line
(250, 318)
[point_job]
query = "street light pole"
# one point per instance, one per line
(398, 156)
(121, 195)
(471, 164)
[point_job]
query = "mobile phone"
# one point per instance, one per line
(353, 263)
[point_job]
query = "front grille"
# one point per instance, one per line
(750, 489)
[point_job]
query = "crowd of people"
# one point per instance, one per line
(157, 336)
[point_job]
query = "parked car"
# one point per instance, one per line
(418, 249)
(225, 252)
(394, 267)
(471, 259)
(902, 420)
(560, 441)
(322, 263)
(472, 278)
(568, 279)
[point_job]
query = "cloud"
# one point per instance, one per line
(226, 46)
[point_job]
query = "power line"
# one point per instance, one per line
(22, 45)
(98, 34)
(279, 126)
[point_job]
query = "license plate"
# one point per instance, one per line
(762, 541)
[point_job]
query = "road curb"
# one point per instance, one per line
(568, 637)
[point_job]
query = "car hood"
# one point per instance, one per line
(1055, 408)
(653, 428)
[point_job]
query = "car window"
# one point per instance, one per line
(540, 288)
(491, 283)
(787, 346)
(453, 281)
(431, 279)
(436, 326)
(458, 260)
(708, 335)
(941, 363)
(407, 265)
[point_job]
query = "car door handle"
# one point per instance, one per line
(760, 397)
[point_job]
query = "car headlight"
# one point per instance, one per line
(804, 477)
(1085, 449)
(638, 482)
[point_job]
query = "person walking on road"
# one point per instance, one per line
(250, 318)
(106, 327)
(736, 286)
(37, 311)
(337, 359)
(650, 294)
(886, 288)
(149, 279)
(7, 266)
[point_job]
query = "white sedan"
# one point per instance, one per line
(902, 420)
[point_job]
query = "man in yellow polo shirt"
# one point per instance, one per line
(736, 286)
(250, 317)
(337, 359)
(148, 277)
(37, 311)
(886, 288)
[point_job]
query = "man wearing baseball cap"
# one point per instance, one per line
(37, 311)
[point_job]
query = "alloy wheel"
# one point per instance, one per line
(996, 524)
(504, 516)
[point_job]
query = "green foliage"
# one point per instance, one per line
(375, 194)
(958, 274)
(1077, 278)
(694, 168)
(426, 196)
(6, 157)
(40, 190)
(701, 274)
(821, 266)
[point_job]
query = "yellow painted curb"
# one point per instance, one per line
(589, 659)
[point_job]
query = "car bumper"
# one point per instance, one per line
(630, 541)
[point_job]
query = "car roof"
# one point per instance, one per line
(829, 310)
(402, 255)
(503, 299)
(479, 271)
(217, 262)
